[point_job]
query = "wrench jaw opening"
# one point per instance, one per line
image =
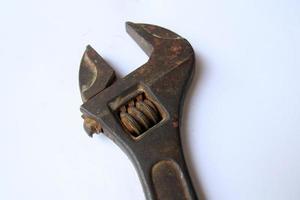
(155, 147)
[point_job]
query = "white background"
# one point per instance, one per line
(241, 122)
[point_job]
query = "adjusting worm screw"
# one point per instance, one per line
(139, 115)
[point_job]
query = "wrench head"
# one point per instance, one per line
(162, 80)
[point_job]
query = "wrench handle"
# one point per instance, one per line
(167, 179)
(170, 182)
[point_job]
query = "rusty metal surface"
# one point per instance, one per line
(142, 111)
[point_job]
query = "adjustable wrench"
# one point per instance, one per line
(141, 112)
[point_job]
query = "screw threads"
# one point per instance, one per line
(139, 115)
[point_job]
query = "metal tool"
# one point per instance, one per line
(141, 112)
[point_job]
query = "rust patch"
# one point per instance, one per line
(175, 124)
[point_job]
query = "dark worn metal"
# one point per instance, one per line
(94, 75)
(142, 111)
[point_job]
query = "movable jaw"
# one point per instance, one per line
(141, 112)
(94, 75)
